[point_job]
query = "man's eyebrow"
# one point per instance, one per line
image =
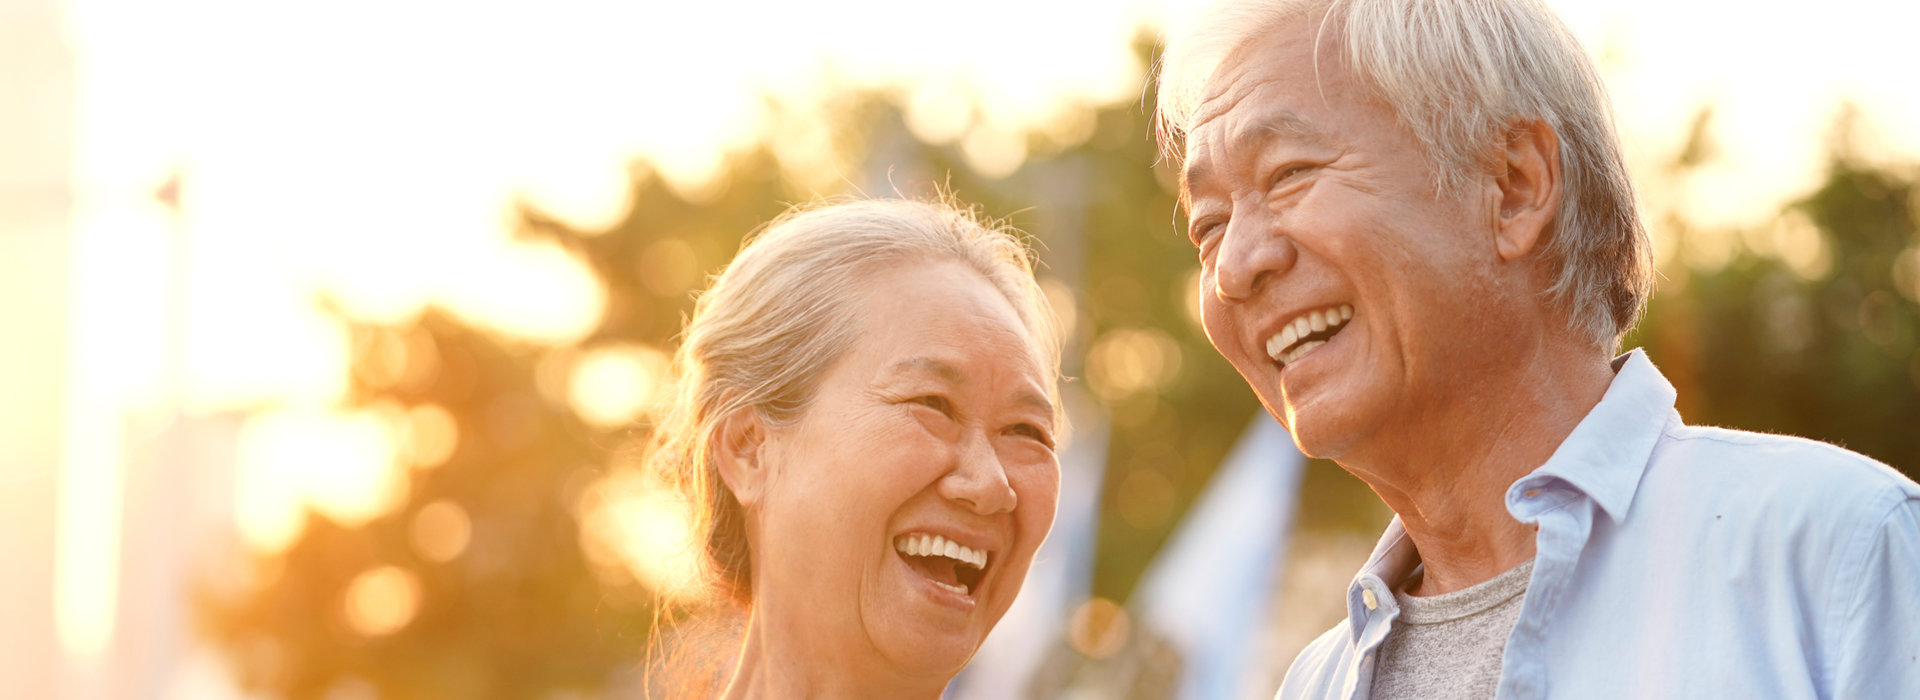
(1281, 124)
(1196, 171)
(1285, 125)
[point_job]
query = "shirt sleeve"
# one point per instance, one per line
(1879, 631)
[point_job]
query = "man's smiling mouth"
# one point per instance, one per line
(948, 564)
(1306, 332)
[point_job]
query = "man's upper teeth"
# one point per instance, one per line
(1281, 345)
(937, 546)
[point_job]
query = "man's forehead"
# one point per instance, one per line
(1266, 124)
(1241, 107)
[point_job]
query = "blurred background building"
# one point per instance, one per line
(329, 326)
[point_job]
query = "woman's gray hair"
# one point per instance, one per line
(1460, 75)
(779, 316)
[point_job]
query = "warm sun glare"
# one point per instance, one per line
(371, 153)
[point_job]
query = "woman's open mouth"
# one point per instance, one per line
(948, 564)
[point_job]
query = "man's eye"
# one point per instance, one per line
(1201, 230)
(1289, 172)
(937, 403)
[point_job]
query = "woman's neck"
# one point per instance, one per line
(778, 662)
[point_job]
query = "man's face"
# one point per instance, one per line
(1313, 209)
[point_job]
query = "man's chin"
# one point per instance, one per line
(1316, 434)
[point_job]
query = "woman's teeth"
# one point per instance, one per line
(937, 546)
(960, 589)
(1309, 331)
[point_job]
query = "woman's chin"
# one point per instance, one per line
(936, 658)
(924, 638)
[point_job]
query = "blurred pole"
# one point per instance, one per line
(1208, 592)
(159, 533)
(89, 502)
(36, 154)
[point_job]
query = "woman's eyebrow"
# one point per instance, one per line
(954, 375)
(927, 365)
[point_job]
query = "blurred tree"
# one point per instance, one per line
(1813, 327)
(508, 603)
(520, 608)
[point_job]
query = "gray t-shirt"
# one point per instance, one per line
(1449, 645)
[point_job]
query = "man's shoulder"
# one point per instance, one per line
(1786, 471)
(1318, 670)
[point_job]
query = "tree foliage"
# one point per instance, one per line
(524, 611)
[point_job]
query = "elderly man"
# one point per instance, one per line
(1420, 246)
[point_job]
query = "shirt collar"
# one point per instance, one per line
(1393, 560)
(1604, 457)
(1607, 453)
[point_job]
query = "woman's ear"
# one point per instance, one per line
(1530, 188)
(739, 452)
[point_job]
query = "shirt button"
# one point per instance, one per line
(1366, 596)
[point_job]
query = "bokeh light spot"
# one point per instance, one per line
(939, 113)
(1802, 246)
(668, 267)
(1099, 628)
(1065, 307)
(337, 464)
(1129, 361)
(612, 385)
(993, 151)
(633, 529)
(381, 601)
(441, 531)
(1906, 274)
(432, 435)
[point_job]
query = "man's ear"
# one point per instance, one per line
(740, 453)
(1529, 188)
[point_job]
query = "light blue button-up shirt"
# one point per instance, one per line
(1675, 561)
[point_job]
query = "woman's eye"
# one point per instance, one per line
(1029, 430)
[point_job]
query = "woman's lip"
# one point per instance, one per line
(973, 540)
(939, 595)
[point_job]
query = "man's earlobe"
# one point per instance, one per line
(739, 452)
(1530, 188)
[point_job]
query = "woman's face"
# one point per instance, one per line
(901, 509)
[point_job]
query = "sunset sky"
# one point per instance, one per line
(374, 150)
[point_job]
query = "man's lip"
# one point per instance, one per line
(1279, 322)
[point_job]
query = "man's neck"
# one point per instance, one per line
(1448, 475)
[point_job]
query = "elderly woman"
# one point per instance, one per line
(866, 420)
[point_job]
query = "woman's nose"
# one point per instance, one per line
(979, 479)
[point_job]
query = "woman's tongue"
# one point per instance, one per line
(936, 568)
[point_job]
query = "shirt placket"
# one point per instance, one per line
(1564, 517)
(1374, 610)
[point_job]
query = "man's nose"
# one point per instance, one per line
(1252, 252)
(979, 479)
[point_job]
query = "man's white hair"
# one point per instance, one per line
(1460, 75)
